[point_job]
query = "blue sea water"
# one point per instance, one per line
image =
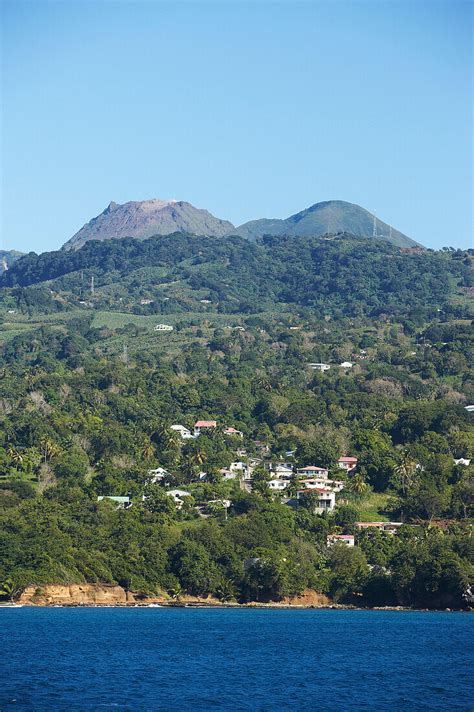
(261, 660)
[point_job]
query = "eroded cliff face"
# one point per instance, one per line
(88, 594)
(83, 593)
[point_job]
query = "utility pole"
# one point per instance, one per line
(374, 232)
(92, 285)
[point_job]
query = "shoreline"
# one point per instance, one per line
(239, 606)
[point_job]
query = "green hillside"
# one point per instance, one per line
(89, 390)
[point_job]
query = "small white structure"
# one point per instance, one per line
(277, 484)
(469, 408)
(121, 502)
(347, 539)
(320, 366)
(326, 499)
(389, 527)
(462, 461)
(201, 425)
(346, 364)
(157, 475)
(347, 463)
(312, 471)
(163, 327)
(233, 432)
(178, 496)
(227, 474)
(183, 432)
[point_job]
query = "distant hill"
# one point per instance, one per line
(8, 257)
(146, 218)
(333, 216)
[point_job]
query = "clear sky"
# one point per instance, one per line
(255, 109)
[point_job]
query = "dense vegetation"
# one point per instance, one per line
(88, 392)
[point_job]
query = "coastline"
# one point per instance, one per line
(113, 596)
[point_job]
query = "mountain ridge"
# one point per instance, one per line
(327, 217)
(148, 218)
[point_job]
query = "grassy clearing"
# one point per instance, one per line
(372, 507)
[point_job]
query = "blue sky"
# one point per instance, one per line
(250, 110)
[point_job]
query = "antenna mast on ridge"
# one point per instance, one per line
(374, 232)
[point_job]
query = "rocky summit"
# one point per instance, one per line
(145, 218)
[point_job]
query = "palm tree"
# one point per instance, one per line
(147, 450)
(176, 592)
(406, 471)
(358, 485)
(198, 458)
(8, 589)
(49, 449)
(15, 455)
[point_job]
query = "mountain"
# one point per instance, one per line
(8, 257)
(145, 218)
(332, 216)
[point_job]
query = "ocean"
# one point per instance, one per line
(176, 659)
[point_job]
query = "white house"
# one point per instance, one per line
(312, 471)
(323, 483)
(346, 364)
(281, 469)
(347, 539)
(469, 408)
(178, 496)
(183, 432)
(234, 432)
(277, 484)
(122, 502)
(163, 327)
(227, 474)
(326, 499)
(158, 474)
(320, 366)
(201, 425)
(462, 461)
(347, 463)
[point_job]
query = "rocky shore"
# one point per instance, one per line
(87, 594)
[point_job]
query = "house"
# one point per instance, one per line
(178, 496)
(122, 502)
(280, 469)
(277, 484)
(183, 432)
(462, 461)
(241, 469)
(326, 499)
(157, 475)
(145, 302)
(319, 366)
(323, 483)
(469, 408)
(346, 364)
(163, 327)
(233, 432)
(389, 527)
(347, 463)
(201, 425)
(312, 471)
(227, 474)
(347, 539)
